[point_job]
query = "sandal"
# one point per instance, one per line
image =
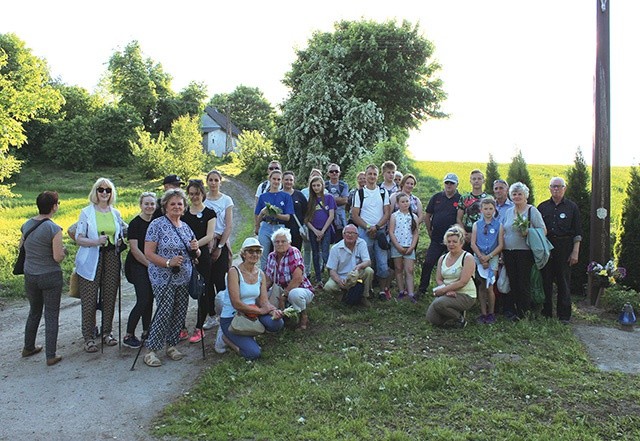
(90, 346)
(109, 340)
(174, 354)
(152, 360)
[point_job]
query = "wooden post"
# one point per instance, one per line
(600, 249)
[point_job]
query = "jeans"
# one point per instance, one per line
(45, 291)
(248, 346)
(264, 237)
(320, 250)
(379, 257)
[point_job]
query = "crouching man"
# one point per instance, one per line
(349, 261)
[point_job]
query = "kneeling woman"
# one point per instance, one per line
(247, 293)
(456, 291)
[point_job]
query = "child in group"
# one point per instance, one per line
(403, 232)
(319, 217)
(487, 241)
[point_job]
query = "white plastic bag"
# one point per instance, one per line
(503, 281)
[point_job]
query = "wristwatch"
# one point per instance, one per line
(220, 246)
(168, 263)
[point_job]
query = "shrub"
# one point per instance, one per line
(616, 296)
(628, 243)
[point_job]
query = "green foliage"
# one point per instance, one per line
(614, 298)
(255, 152)
(628, 243)
(178, 153)
(25, 92)
(388, 64)
(578, 190)
(518, 172)
(491, 174)
(248, 109)
(392, 150)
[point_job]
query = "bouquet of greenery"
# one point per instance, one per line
(606, 275)
(521, 224)
(272, 210)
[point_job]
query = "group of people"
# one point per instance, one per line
(352, 234)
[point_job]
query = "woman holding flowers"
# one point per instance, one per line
(273, 210)
(517, 255)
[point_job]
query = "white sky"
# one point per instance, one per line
(519, 74)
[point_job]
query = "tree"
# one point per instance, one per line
(491, 175)
(247, 108)
(139, 82)
(190, 101)
(255, 151)
(518, 172)
(628, 243)
(25, 91)
(578, 191)
(384, 63)
(323, 122)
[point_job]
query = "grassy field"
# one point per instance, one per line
(382, 373)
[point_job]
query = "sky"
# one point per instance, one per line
(519, 74)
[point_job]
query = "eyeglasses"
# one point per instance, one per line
(103, 190)
(334, 171)
(555, 187)
(253, 251)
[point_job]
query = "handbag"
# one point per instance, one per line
(197, 285)
(74, 285)
(18, 267)
(243, 325)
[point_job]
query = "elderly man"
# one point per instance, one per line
(347, 257)
(285, 268)
(441, 213)
(501, 195)
(564, 231)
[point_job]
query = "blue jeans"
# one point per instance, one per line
(264, 237)
(320, 250)
(249, 348)
(379, 257)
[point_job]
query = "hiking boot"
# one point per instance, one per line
(198, 334)
(210, 323)
(131, 341)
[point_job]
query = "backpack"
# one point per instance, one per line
(354, 295)
(263, 186)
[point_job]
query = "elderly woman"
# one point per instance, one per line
(517, 255)
(137, 273)
(273, 209)
(169, 244)
(285, 269)
(221, 255)
(44, 251)
(247, 294)
(99, 234)
(406, 186)
(456, 291)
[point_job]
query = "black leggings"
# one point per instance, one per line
(144, 299)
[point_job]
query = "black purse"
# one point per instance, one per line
(18, 267)
(197, 284)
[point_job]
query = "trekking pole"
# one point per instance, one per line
(200, 305)
(145, 337)
(119, 301)
(101, 299)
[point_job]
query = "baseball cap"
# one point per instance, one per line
(172, 179)
(451, 177)
(250, 242)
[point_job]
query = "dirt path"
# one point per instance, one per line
(92, 396)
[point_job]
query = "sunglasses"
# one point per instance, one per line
(103, 190)
(274, 168)
(334, 171)
(253, 251)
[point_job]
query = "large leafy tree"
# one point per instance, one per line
(25, 91)
(139, 82)
(628, 243)
(324, 122)
(189, 101)
(388, 64)
(247, 108)
(578, 190)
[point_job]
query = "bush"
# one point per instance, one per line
(616, 296)
(254, 154)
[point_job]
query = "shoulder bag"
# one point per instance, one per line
(243, 325)
(18, 267)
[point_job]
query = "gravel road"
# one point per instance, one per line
(93, 396)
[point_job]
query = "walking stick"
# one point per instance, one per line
(200, 305)
(145, 337)
(101, 300)
(118, 254)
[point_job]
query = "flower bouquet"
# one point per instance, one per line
(606, 275)
(521, 223)
(272, 210)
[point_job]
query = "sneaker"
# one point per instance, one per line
(481, 319)
(490, 319)
(220, 346)
(198, 335)
(210, 323)
(184, 334)
(382, 295)
(131, 341)
(402, 295)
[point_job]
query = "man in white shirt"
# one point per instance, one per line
(347, 256)
(370, 212)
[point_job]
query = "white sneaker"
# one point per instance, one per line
(220, 346)
(211, 322)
